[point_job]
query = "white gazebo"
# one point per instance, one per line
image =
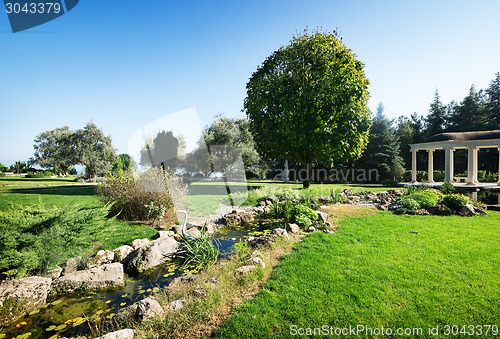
(471, 141)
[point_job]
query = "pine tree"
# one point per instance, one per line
(493, 103)
(382, 152)
(470, 114)
(436, 119)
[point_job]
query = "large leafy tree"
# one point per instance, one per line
(308, 102)
(54, 149)
(94, 150)
(162, 151)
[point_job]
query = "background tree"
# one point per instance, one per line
(19, 167)
(54, 149)
(469, 115)
(435, 121)
(94, 150)
(405, 134)
(308, 102)
(161, 152)
(124, 162)
(493, 103)
(3, 168)
(382, 152)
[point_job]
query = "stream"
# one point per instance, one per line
(80, 314)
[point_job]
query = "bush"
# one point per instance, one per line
(455, 200)
(303, 215)
(3, 175)
(48, 173)
(35, 239)
(131, 194)
(34, 175)
(275, 192)
(447, 188)
(389, 183)
(408, 203)
(419, 199)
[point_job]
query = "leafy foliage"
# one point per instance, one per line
(37, 238)
(55, 149)
(161, 151)
(130, 195)
(456, 200)
(308, 102)
(303, 215)
(420, 199)
(198, 252)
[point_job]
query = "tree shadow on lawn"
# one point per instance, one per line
(81, 191)
(217, 189)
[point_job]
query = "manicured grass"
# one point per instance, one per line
(19, 180)
(374, 272)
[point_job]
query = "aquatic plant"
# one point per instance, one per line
(198, 252)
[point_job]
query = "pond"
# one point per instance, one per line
(75, 314)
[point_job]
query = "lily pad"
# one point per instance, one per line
(123, 296)
(55, 336)
(142, 291)
(79, 322)
(56, 302)
(123, 304)
(156, 289)
(34, 312)
(61, 327)
(107, 302)
(50, 328)
(99, 312)
(149, 290)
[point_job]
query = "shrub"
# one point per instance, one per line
(34, 175)
(35, 238)
(48, 173)
(390, 183)
(303, 215)
(131, 194)
(447, 188)
(426, 198)
(198, 252)
(3, 175)
(408, 203)
(455, 200)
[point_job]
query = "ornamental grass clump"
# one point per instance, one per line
(198, 252)
(132, 194)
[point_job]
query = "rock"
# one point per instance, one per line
(122, 252)
(347, 192)
(199, 293)
(155, 253)
(148, 308)
(194, 231)
(127, 313)
(311, 229)
(107, 275)
(164, 234)
(256, 262)
(421, 211)
(322, 216)
(214, 281)
(468, 210)
(396, 192)
(281, 232)
(101, 258)
(245, 269)
(53, 273)
(294, 228)
(122, 334)
(231, 219)
(354, 198)
(138, 243)
(27, 293)
(177, 305)
(72, 265)
(480, 211)
(439, 210)
(263, 240)
(382, 207)
(255, 254)
(329, 231)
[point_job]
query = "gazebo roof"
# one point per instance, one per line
(462, 136)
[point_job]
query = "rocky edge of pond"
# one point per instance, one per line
(107, 268)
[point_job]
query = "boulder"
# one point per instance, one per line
(72, 265)
(382, 207)
(421, 211)
(329, 231)
(122, 252)
(26, 294)
(322, 216)
(177, 305)
(256, 262)
(263, 240)
(194, 232)
(139, 243)
(148, 308)
(188, 278)
(231, 219)
(107, 275)
(53, 273)
(155, 253)
(281, 232)
(294, 228)
(101, 258)
(480, 211)
(199, 293)
(255, 254)
(347, 192)
(439, 210)
(245, 269)
(311, 229)
(121, 334)
(164, 234)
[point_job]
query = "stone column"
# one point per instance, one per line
(448, 164)
(430, 166)
(472, 165)
(413, 165)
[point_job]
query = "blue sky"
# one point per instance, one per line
(124, 63)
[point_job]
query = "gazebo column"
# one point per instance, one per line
(472, 165)
(430, 166)
(414, 165)
(448, 164)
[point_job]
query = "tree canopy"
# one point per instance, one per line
(54, 149)
(307, 102)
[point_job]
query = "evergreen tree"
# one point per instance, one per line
(469, 115)
(436, 119)
(382, 152)
(493, 103)
(405, 134)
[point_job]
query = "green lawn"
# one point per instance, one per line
(121, 233)
(374, 272)
(19, 180)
